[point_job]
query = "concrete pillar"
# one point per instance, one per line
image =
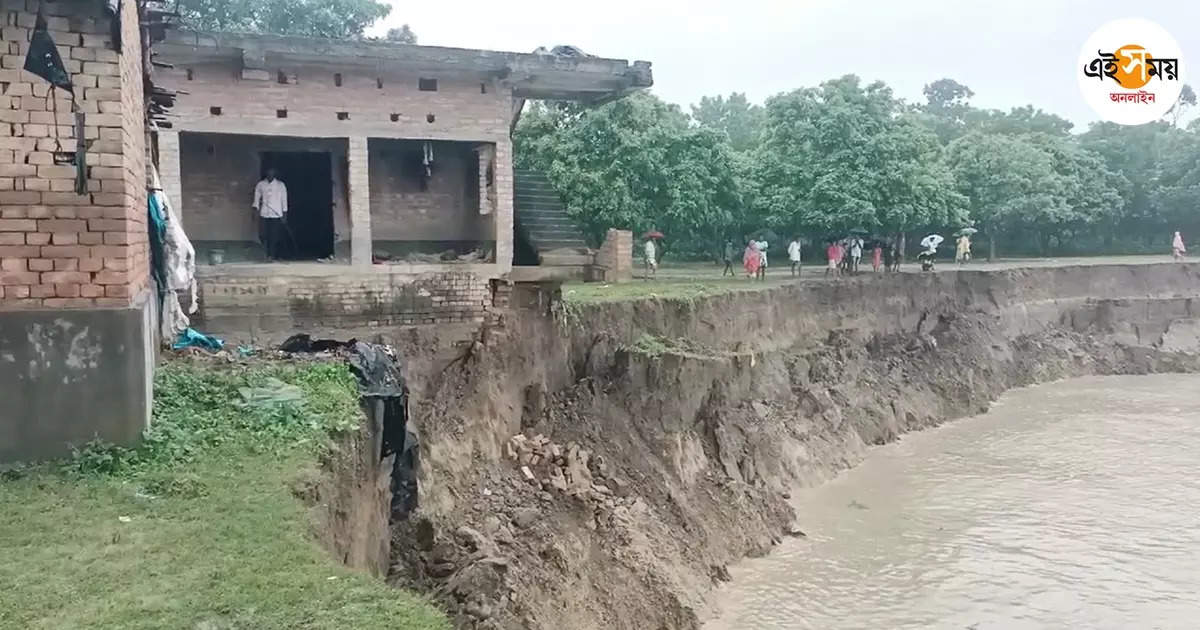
(504, 205)
(168, 168)
(359, 188)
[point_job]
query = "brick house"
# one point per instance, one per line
(398, 161)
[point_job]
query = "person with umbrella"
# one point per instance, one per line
(930, 244)
(650, 250)
(962, 250)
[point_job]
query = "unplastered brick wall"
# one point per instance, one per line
(445, 209)
(311, 101)
(218, 173)
(279, 302)
(59, 249)
(615, 257)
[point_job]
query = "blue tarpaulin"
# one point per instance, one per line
(190, 338)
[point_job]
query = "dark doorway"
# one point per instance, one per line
(308, 176)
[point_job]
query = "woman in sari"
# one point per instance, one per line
(751, 259)
(1177, 247)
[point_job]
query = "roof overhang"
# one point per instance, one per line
(531, 75)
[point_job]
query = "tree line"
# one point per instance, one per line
(849, 155)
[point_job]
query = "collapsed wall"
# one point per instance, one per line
(600, 466)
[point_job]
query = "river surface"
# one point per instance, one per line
(1070, 505)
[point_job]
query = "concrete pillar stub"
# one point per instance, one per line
(359, 187)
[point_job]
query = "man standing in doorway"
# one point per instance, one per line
(270, 201)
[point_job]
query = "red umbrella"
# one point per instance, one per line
(653, 234)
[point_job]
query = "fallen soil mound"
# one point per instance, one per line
(599, 467)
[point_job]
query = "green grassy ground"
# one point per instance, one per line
(694, 280)
(198, 527)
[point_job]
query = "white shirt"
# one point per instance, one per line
(270, 199)
(856, 248)
(794, 251)
(650, 251)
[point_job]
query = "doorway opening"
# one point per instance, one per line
(308, 176)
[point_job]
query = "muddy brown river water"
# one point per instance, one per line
(1070, 505)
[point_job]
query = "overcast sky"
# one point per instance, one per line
(1010, 53)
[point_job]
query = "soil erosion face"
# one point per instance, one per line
(599, 467)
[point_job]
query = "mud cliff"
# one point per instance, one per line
(599, 466)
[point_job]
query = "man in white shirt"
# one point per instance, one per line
(856, 247)
(794, 255)
(271, 204)
(651, 253)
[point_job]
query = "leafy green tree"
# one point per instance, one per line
(741, 120)
(1187, 100)
(315, 18)
(1019, 120)
(635, 163)
(842, 156)
(1009, 182)
(402, 35)
(947, 108)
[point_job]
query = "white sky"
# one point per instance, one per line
(1011, 53)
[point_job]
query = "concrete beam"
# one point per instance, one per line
(538, 76)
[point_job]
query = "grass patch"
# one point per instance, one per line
(653, 346)
(678, 281)
(197, 526)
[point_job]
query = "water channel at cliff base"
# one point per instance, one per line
(1069, 505)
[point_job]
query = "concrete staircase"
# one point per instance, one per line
(543, 221)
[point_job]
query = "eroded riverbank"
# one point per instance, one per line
(673, 430)
(1066, 505)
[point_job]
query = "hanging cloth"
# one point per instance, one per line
(43, 58)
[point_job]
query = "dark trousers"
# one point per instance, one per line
(271, 234)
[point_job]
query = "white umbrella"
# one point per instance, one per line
(932, 241)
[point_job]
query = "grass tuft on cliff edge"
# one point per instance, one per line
(197, 527)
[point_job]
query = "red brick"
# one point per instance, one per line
(118, 238)
(41, 264)
(18, 277)
(111, 277)
(117, 264)
(37, 239)
(65, 199)
(18, 225)
(66, 264)
(109, 199)
(65, 238)
(91, 264)
(19, 291)
(108, 251)
(37, 184)
(55, 172)
(39, 212)
(109, 225)
(13, 264)
(91, 291)
(20, 251)
(91, 238)
(118, 290)
(62, 225)
(41, 290)
(62, 277)
(66, 251)
(20, 196)
(111, 301)
(64, 212)
(12, 238)
(69, 290)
